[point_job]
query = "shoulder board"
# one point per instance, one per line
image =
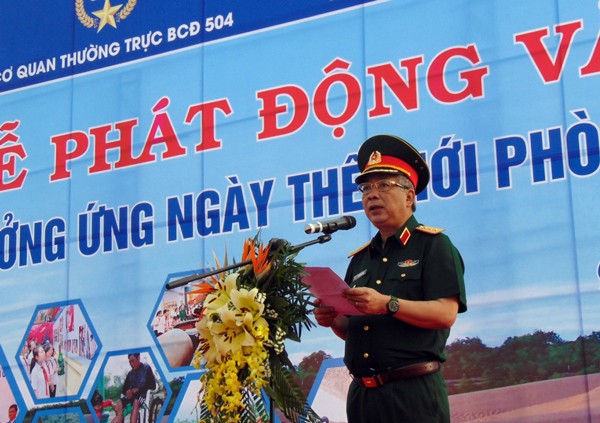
(359, 249)
(430, 230)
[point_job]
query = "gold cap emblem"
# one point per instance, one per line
(374, 159)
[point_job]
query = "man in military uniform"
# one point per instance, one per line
(407, 286)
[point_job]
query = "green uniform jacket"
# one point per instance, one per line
(418, 263)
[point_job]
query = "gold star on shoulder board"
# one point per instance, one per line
(107, 15)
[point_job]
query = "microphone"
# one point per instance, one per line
(330, 226)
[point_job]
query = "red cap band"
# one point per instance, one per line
(393, 163)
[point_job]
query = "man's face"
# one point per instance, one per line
(388, 210)
(12, 413)
(134, 362)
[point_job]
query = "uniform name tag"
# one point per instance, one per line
(359, 275)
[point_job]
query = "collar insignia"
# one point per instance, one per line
(404, 236)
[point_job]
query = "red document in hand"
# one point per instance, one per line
(327, 286)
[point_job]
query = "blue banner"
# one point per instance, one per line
(69, 39)
(145, 142)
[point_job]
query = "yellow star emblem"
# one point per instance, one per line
(107, 15)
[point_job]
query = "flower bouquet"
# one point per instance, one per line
(247, 316)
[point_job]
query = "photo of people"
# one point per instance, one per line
(59, 338)
(174, 322)
(13, 412)
(129, 389)
(10, 405)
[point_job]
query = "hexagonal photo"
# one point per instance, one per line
(57, 351)
(186, 408)
(12, 408)
(59, 415)
(173, 323)
(130, 389)
(328, 394)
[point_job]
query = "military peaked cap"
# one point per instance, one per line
(389, 154)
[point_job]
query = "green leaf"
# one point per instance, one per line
(254, 407)
(289, 397)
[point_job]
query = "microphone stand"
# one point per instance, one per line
(188, 279)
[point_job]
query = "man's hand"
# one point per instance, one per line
(329, 317)
(367, 300)
(324, 315)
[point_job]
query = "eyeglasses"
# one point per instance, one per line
(381, 186)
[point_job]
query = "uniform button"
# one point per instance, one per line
(366, 327)
(403, 275)
(378, 281)
(385, 259)
(366, 355)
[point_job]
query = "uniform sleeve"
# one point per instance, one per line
(350, 272)
(444, 271)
